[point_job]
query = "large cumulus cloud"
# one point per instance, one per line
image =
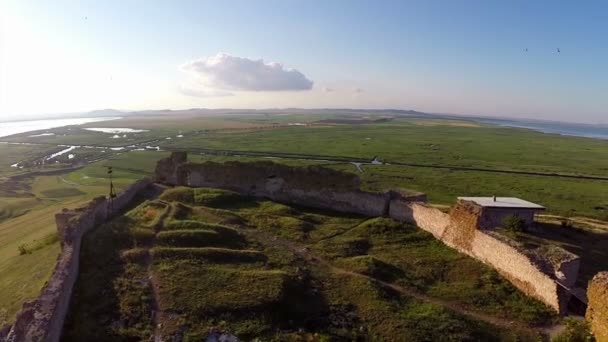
(231, 73)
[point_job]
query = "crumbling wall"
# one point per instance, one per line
(257, 177)
(542, 275)
(464, 223)
(313, 186)
(42, 318)
(166, 169)
(519, 268)
(420, 214)
(597, 308)
(546, 280)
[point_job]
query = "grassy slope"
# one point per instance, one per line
(270, 293)
(30, 221)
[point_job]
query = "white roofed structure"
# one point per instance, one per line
(502, 202)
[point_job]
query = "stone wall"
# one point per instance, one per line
(521, 270)
(166, 171)
(420, 214)
(547, 279)
(309, 186)
(597, 308)
(41, 319)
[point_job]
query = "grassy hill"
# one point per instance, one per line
(190, 262)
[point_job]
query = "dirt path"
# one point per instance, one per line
(305, 254)
(585, 221)
(157, 313)
(68, 182)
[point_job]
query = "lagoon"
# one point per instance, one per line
(16, 127)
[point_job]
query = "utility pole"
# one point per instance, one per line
(112, 194)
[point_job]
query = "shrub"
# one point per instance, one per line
(218, 255)
(178, 194)
(142, 236)
(188, 238)
(514, 223)
(215, 197)
(23, 249)
(576, 331)
(191, 224)
(136, 255)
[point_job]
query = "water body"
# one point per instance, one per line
(16, 127)
(116, 130)
(563, 128)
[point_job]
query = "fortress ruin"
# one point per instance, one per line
(466, 228)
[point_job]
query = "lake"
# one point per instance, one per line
(563, 128)
(15, 127)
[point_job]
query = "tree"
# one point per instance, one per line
(514, 223)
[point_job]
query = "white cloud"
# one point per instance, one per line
(223, 73)
(200, 91)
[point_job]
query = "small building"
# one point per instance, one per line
(495, 209)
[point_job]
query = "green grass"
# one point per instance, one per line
(417, 260)
(11, 154)
(211, 275)
(27, 207)
(213, 254)
(196, 238)
(406, 141)
(28, 219)
(569, 197)
(409, 141)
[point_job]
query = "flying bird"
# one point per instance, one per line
(558, 50)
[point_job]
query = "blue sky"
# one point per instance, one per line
(437, 56)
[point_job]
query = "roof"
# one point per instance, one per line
(503, 202)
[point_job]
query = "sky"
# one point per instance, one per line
(490, 58)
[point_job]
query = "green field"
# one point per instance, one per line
(445, 144)
(225, 261)
(12, 153)
(27, 218)
(28, 203)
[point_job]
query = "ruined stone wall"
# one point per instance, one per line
(464, 223)
(310, 186)
(420, 214)
(597, 308)
(532, 273)
(518, 268)
(42, 319)
(329, 189)
(166, 169)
